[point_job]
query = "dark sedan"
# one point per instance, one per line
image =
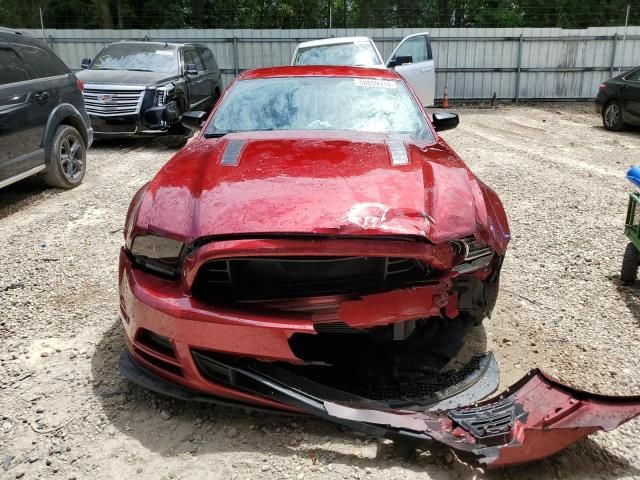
(618, 101)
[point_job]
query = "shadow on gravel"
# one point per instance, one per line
(630, 294)
(167, 142)
(21, 194)
(173, 428)
(31, 190)
(630, 131)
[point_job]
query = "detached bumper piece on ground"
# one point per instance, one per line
(533, 419)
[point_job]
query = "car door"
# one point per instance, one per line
(197, 84)
(211, 77)
(412, 59)
(21, 130)
(630, 97)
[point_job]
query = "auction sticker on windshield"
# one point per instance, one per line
(370, 82)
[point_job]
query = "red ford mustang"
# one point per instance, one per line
(319, 248)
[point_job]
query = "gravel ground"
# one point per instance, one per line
(66, 413)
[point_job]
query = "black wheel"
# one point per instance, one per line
(612, 116)
(630, 261)
(68, 159)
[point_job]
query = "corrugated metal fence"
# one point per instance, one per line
(515, 63)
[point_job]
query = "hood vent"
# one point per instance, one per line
(398, 151)
(231, 155)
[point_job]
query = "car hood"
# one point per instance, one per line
(124, 77)
(320, 183)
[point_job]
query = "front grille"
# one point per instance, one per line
(633, 214)
(269, 278)
(113, 101)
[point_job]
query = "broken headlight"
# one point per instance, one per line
(163, 94)
(158, 254)
(475, 254)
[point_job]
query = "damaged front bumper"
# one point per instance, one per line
(533, 419)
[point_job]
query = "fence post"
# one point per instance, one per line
(517, 95)
(613, 54)
(236, 66)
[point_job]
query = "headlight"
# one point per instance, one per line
(476, 255)
(163, 94)
(158, 254)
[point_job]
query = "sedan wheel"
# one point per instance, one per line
(612, 116)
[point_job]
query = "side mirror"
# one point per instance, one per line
(445, 121)
(85, 63)
(193, 120)
(401, 60)
(191, 69)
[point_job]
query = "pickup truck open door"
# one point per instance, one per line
(413, 59)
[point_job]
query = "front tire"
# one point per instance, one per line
(630, 260)
(612, 116)
(68, 162)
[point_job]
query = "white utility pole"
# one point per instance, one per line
(624, 37)
(42, 25)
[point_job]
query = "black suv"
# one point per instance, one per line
(139, 88)
(44, 127)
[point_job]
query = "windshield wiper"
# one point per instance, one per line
(138, 70)
(216, 133)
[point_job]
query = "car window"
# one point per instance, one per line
(359, 54)
(137, 57)
(41, 63)
(320, 103)
(13, 69)
(191, 56)
(416, 47)
(208, 59)
(633, 76)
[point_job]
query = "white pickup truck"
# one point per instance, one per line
(412, 58)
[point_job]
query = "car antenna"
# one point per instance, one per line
(166, 44)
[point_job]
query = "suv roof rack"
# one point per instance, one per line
(166, 42)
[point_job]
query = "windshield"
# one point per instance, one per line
(360, 54)
(320, 103)
(137, 57)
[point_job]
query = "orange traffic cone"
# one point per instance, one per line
(445, 99)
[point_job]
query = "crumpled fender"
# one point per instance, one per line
(533, 419)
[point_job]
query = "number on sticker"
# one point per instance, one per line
(371, 82)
